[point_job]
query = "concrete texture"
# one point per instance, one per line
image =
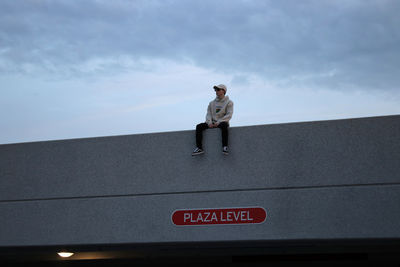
(317, 180)
(293, 214)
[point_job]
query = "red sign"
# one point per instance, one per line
(219, 216)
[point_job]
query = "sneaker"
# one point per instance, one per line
(197, 151)
(225, 150)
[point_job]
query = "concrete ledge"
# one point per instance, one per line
(342, 152)
(323, 180)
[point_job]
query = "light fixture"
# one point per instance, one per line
(65, 254)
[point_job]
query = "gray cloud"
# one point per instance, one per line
(335, 44)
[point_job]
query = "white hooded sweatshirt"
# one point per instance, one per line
(219, 110)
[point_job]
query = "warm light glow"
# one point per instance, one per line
(65, 254)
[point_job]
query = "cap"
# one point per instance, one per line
(220, 86)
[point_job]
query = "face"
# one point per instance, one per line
(220, 93)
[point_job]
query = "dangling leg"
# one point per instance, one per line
(199, 134)
(224, 132)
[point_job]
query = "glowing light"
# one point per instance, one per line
(65, 254)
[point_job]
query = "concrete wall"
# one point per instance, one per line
(317, 180)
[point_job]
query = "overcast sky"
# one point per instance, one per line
(88, 68)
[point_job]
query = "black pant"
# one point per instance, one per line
(202, 126)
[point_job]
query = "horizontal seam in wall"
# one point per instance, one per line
(204, 191)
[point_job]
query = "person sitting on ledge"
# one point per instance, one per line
(219, 113)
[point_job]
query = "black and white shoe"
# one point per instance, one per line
(197, 151)
(225, 150)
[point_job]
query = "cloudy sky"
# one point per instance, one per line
(87, 68)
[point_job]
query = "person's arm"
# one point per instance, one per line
(209, 116)
(229, 113)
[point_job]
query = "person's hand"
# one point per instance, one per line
(213, 125)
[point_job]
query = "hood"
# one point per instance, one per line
(226, 98)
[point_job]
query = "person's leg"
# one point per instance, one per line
(199, 134)
(224, 131)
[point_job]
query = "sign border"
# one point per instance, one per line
(219, 224)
